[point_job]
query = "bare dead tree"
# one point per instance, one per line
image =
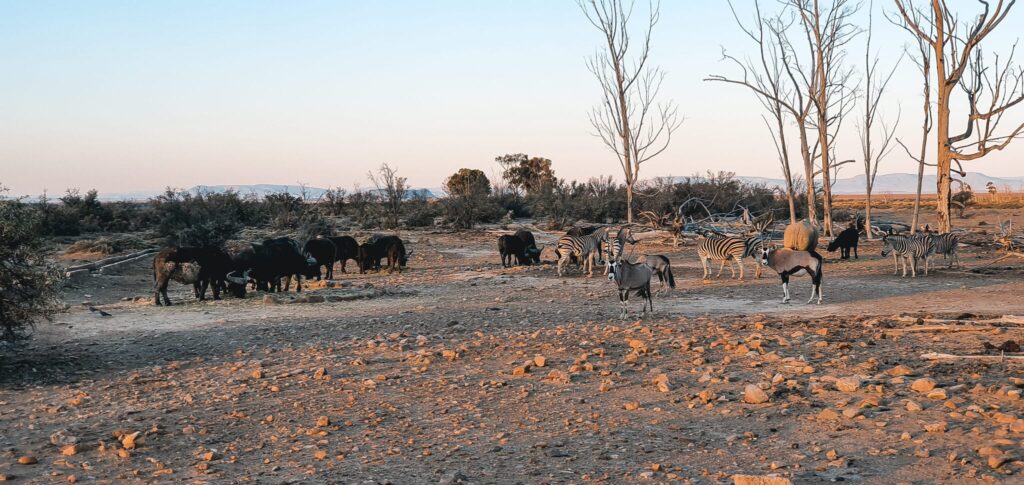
(628, 120)
(771, 78)
(990, 92)
(391, 189)
(764, 76)
(922, 58)
(874, 151)
(828, 32)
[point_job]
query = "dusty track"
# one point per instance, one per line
(418, 382)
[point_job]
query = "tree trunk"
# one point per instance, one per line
(867, 215)
(629, 202)
(944, 155)
(917, 197)
(786, 171)
(822, 95)
(805, 152)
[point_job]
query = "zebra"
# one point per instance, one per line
(616, 247)
(581, 247)
(946, 245)
(752, 249)
(911, 248)
(724, 249)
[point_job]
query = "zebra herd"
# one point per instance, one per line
(920, 247)
(584, 246)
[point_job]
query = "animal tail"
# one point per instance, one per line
(671, 279)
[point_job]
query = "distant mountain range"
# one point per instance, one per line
(892, 183)
(903, 183)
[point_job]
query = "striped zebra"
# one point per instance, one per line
(912, 248)
(722, 248)
(946, 245)
(753, 245)
(616, 247)
(581, 247)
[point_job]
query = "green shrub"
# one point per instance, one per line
(29, 284)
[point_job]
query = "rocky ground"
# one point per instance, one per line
(460, 371)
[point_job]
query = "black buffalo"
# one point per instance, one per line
(846, 240)
(281, 258)
(531, 245)
(346, 248)
(379, 247)
(324, 252)
(508, 246)
(202, 267)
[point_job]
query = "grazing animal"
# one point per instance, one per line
(379, 247)
(787, 262)
(531, 245)
(324, 252)
(801, 236)
(907, 248)
(346, 248)
(282, 258)
(845, 241)
(724, 249)
(508, 246)
(635, 278)
(583, 248)
(946, 245)
(200, 267)
(661, 267)
(617, 246)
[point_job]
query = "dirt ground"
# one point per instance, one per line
(460, 371)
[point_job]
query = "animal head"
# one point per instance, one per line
(534, 253)
(832, 246)
(237, 282)
(613, 268)
(766, 252)
(886, 245)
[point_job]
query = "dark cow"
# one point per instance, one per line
(379, 247)
(282, 258)
(531, 245)
(201, 267)
(846, 240)
(509, 245)
(324, 252)
(346, 248)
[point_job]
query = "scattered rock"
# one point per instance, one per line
(923, 384)
(62, 437)
(848, 384)
(913, 406)
(753, 394)
(631, 406)
(69, 450)
(323, 422)
(937, 427)
(27, 460)
(760, 480)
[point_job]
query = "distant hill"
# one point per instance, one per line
(902, 183)
(891, 183)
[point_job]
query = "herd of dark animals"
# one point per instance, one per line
(265, 265)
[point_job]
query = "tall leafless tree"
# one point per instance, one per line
(628, 120)
(874, 150)
(391, 189)
(990, 91)
(922, 58)
(772, 79)
(828, 30)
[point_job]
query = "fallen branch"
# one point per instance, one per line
(945, 328)
(984, 358)
(1005, 319)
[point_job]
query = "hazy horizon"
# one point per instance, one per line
(123, 96)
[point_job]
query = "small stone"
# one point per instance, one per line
(62, 437)
(451, 355)
(848, 384)
(937, 427)
(69, 450)
(27, 460)
(1017, 426)
(938, 394)
(707, 395)
(851, 412)
(209, 456)
(923, 384)
(900, 371)
(128, 441)
(661, 382)
(631, 406)
(319, 455)
(539, 360)
(752, 394)
(760, 480)
(913, 406)
(323, 422)
(828, 415)
(996, 461)
(257, 374)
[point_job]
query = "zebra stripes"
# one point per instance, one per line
(617, 246)
(912, 248)
(946, 245)
(753, 245)
(724, 249)
(581, 247)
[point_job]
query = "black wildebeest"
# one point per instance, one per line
(846, 240)
(324, 252)
(379, 247)
(531, 245)
(346, 248)
(201, 267)
(508, 246)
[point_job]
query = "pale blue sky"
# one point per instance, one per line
(128, 95)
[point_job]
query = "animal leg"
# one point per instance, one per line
(704, 264)
(739, 261)
(785, 292)
(722, 267)
(896, 265)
